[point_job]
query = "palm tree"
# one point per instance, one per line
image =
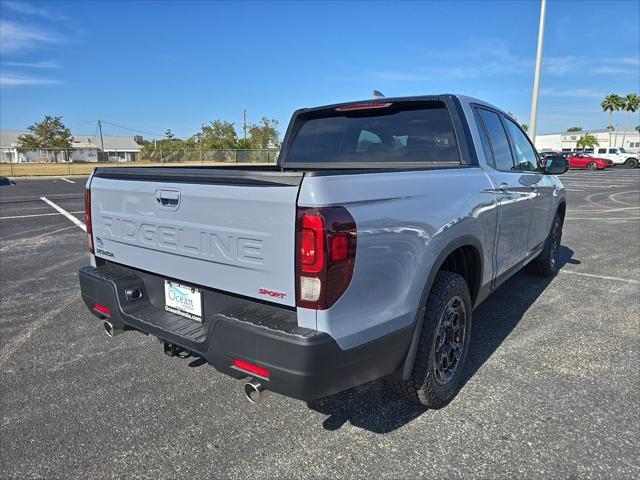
(620, 106)
(631, 104)
(611, 103)
(588, 141)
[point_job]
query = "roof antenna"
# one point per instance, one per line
(377, 94)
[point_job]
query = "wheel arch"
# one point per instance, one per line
(465, 253)
(562, 209)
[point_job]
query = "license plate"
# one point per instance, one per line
(183, 300)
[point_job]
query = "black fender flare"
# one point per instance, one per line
(463, 241)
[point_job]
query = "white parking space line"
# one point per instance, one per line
(66, 180)
(603, 277)
(36, 215)
(602, 210)
(46, 234)
(77, 222)
(602, 218)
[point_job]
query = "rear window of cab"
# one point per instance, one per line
(379, 133)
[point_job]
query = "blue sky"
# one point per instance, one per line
(157, 65)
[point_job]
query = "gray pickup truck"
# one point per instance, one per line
(359, 256)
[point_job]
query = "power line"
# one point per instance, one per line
(133, 129)
(81, 123)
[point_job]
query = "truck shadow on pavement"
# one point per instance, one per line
(376, 408)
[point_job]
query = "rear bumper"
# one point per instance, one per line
(302, 363)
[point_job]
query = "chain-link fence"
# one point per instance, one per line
(92, 155)
(79, 161)
(208, 156)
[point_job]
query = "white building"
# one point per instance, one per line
(567, 141)
(84, 148)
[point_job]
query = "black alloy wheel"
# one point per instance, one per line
(449, 341)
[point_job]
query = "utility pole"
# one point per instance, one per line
(536, 78)
(101, 139)
(244, 122)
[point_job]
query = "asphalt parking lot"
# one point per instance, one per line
(551, 387)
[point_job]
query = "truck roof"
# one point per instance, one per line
(464, 99)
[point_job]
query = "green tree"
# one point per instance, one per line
(587, 141)
(574, 129)
(264, 134)
(631, 104)
(244, 143)
(525, 127)
(169, 134)
(219, 134)
(611, 103)
(637, 128)
(50, 133)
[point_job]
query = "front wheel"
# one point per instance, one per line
(592, 166)
(547, 263)
(443, 344)
(631, 163)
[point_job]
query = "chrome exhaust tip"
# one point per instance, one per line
(111, 329)
(254, 391)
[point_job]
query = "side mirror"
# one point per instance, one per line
(556, 166)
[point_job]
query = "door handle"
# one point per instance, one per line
(503, 188)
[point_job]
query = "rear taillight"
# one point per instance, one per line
(87, 218)
(251, 368)
(326, 254)
(102, 309)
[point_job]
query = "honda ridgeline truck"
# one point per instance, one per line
(359, 256)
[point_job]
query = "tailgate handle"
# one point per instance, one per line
(168, 198)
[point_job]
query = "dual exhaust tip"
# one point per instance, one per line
(111, 330)
(253, 389)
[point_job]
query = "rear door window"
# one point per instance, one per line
(397, 133)
(499, 144)
(484, 138)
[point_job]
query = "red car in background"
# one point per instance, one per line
(586, 160)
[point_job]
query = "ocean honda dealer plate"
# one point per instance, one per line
(183, 300)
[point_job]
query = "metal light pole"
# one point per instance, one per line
(536, 78)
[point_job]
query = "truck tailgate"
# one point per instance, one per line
(229, 230)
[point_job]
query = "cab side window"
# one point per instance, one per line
(498, 138)
(525, 156)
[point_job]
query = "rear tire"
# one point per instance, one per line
(546, 264)
(443, 344)
(592, 166)
(631, 163)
